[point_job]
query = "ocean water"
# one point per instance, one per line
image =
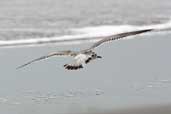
(132, 77)
(46, 21)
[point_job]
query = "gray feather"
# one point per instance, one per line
(116, 37)
(61, 53)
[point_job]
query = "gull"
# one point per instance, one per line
(85, 56)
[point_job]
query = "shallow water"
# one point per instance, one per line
(135, 73)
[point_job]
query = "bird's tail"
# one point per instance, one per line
(73, 66)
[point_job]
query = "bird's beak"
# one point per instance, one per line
(99, 57)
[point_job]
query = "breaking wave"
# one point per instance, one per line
(82, 35)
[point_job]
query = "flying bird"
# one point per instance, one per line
(85, 56)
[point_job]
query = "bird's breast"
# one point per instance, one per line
(81, 58)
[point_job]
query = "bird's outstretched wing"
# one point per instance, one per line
(116, 37)
(61, 53)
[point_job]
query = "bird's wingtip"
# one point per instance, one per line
(19, 67)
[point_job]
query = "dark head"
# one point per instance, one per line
(94, 56)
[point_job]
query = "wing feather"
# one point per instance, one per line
(74, 66)
(61, 53)
(117, 36)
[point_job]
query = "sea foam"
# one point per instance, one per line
(84, 34)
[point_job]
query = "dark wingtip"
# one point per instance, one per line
(147, 30)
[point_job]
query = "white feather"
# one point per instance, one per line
(81, 58)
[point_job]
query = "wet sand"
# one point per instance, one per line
(154, 109)
(133, 73)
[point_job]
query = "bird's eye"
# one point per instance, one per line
(93, 55)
